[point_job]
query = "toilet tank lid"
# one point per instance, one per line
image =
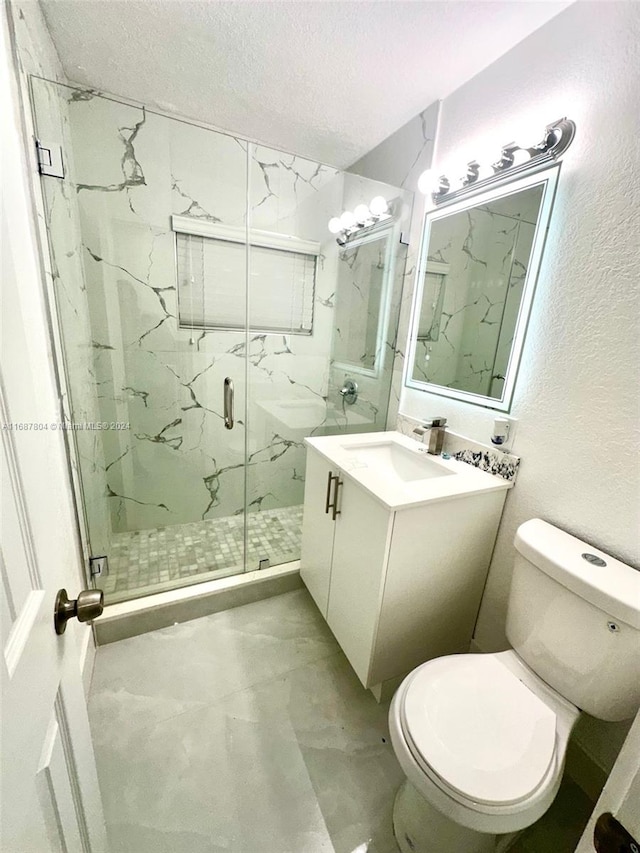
(614, 588)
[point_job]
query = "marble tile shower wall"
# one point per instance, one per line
(484, 284)
(400, 160)
(371, 410)
(175, 462)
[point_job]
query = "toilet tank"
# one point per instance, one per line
(574, 619)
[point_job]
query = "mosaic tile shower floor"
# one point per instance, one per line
(161, 558)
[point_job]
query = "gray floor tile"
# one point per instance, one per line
(248, 732)
(157, 675)
(297, 761)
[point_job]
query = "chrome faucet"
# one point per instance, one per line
(436, 434)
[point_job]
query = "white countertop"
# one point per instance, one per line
(392, 491)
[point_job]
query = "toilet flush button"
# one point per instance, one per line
(594, 559)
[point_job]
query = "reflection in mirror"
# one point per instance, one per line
(362, 302)
(477, 273)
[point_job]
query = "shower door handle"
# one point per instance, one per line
(228, 403)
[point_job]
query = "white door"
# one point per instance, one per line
(621, 793)
(50, 794)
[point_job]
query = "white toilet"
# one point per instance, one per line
(482, 739)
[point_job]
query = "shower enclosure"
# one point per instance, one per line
(185, 261)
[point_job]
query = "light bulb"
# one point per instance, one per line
(347, 220)
(378, 205)
(521, 156)
(362, 213)
(529, 130)
(486, 170)
(425, 182)
(335, 225)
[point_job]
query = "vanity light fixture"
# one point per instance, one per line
(512, 160)
(378, 206)
(348, 224)
(347, 220)
(473, 173)
(362, 214)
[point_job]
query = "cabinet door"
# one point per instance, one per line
(436, 572)
(360, 549)
(317, 530)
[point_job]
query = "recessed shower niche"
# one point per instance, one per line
(182, 257)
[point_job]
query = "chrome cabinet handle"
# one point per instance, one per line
(228, 403)
(86, 607)
(334, 506)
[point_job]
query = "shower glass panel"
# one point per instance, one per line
(294, 377)
(163, 483)
(181, 257)
(288, 371)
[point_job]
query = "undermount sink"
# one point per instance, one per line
(394, 460)
(399, 472)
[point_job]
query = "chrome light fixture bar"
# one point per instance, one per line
(363, 219)
(513, 160)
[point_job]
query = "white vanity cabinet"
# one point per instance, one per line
(396, 586)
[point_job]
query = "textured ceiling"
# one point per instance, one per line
(321, 78)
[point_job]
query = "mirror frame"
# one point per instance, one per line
(548, 178)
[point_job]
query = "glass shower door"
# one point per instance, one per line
(290, 311)
(303, 293)
(161, 480)
(180, 258)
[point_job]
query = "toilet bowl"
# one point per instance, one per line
(482, 738)
(482, 741)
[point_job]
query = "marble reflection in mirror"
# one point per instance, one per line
(362, 302)
(477, 272)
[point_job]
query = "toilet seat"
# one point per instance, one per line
(471, 723)
(488, 817)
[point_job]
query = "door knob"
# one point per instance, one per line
(88, 606)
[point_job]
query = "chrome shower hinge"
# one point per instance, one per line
(99, 566)
(50, 160)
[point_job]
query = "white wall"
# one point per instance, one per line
(577, 392)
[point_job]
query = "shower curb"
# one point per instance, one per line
(141, 615)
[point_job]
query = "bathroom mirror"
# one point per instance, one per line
(477, 271)
(365, 276)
